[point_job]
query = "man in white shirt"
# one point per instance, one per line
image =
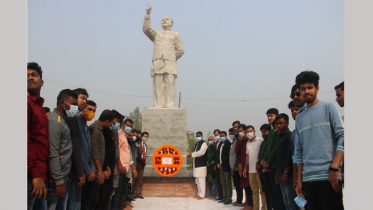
(199, 165)
(252, 151)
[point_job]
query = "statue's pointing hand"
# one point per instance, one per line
(148, 9)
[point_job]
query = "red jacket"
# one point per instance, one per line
(37, 138)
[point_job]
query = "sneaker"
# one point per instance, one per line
(140, 197)
(227, 202)
(221, 201)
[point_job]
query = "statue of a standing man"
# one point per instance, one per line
(168, 48)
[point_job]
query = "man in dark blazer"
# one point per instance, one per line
(225, 169)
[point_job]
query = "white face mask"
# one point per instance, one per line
(144, 139)
(72, 111)
(231, 137)
(250, 135)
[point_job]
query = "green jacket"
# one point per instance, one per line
(211, 156)
(271, 149)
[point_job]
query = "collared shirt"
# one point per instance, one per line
(37, 138)
(252, 149)
(124, 150)
(283, 155)
(97, 143)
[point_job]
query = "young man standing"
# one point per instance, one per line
(37, 140)
(269, 159)
(85, 144)
(77, 173)
(319, 148)
(252, 151)
(284, 162)
(199, 164)
(296, 107)
(60, 148)
(241, 151)
(98, 155)
(225, 169)
(234, 164)
(264, 173)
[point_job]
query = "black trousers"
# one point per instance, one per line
(249, 196)
(123, 195)
(267, 189)
(321, 196)
(218, 184)
(237, 185)
(105, 194)
(91, 195)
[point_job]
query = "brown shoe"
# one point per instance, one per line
(236, 204)
(200, 198)
(242, 205)
(196, 196)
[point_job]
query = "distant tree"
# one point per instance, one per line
(136, 117)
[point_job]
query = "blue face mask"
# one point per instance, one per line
(231, 137)
(222, 139)
(116, 126)
(199, 138)
(127, 129)
(134, 138)
(300, 201)
(241, 133)
(217, 138)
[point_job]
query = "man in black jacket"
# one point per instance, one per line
(225, 169)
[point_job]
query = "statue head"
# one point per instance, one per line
(167, 22)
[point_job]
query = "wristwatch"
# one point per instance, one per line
(285, 173)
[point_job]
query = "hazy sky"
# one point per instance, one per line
(234, 50)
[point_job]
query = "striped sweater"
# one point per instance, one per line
(320, 133)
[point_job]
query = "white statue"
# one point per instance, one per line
(168, 48)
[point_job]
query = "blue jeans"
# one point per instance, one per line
(57, 203)
(72, 202)
(288, 194)
(33, 202)
(214, 189)
(118, 191)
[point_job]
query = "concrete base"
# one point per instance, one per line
(165, 127)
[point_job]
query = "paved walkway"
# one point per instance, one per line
(162, 203)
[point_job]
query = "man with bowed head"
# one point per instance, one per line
(199, 164)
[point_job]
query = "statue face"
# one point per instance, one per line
(167, 22)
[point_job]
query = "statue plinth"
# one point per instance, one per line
(165, 127)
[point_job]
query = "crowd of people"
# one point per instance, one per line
(281, 166)
(71, 165)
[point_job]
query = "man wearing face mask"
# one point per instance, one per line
(141, 163)
(234, 166)
(85, 144)
(60, 148)
(77, 174)
(252, 150)
(218, 184)
(225, 169)
(211, 161)
(98, 155)
(199, 165)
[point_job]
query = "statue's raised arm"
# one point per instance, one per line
(149, 32)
